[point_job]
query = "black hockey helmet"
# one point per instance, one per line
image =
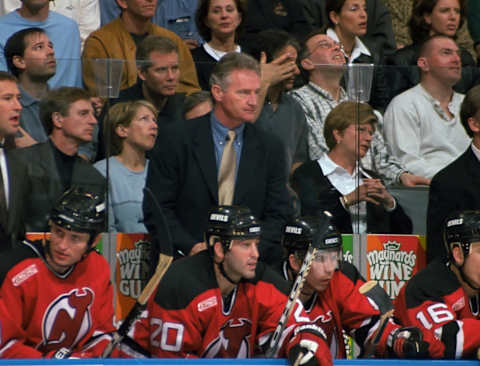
(81, 211)
(227, 223)
(462, 228)
(318, 231)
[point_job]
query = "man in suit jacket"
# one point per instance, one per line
(183, 173)
(54, 166)
(13, 173)
(456, 186)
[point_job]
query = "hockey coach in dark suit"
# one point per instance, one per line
(456, 187)
(220, 158)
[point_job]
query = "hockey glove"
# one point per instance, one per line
(407, 343)
(303, 354)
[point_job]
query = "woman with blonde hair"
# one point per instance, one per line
(131, 130)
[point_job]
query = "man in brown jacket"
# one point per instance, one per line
(119, 39)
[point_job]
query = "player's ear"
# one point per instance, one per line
(218, 251)
(293, 261)
(96, 240)
(458, 255)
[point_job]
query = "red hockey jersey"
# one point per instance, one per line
(56, 310)
(341, 307)
(434, 301)
(189, 318)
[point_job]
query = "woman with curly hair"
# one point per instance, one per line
(429, 18)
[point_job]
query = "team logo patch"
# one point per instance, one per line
(232, 340)
(24, 275)
(67, 320)
(206, 304)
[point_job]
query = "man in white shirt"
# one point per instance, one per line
(422, 124)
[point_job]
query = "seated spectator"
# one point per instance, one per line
(31, 58)
(422, 124)
(474, 25)
(158, 76)
(347, 22)
(379, 27)
(281, 114)
(219, 23)
(86, 13)
(120, 38)
(358, 200)
(54, 166)
(197, 104)
(442, 299)
(61, 30)
(286, 15)
(323, 64)
(428, 18)
(456, 186)
(132, 129)
(176, 16)
(220, 158)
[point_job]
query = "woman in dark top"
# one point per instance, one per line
(218, 22)
(430, 17)
(347, 22)
(357, 199)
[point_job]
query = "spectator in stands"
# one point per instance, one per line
(12, 173)
(455, 187)
(86, 13)
(219, 23)
(357, 199)
(379, 25)
(132, 127)
(286, 15)
(31, 58)
(120, 39)
(323, 61)
(197, 104)
(430, 17)
(158, 75)
(474, 25)
(54, 166)
(220, 158)
(176, 16)
(347, 22)
(62, 31)
(442, 299)
(422, 124)
(281, 114)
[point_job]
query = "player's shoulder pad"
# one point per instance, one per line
(185, 279)
(18, 253)
(432, 283)
(265, 273)
(351, 272)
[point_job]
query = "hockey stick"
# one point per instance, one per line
(380, 297)
(164, 260)
(292, 298)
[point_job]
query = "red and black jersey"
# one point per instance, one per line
(56, 310)
(188, 317)
(341, 307)
(435, 301)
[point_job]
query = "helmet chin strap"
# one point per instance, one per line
(465, 278)
(224, 274)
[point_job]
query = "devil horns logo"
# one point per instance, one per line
(67, 319)
(232, 342)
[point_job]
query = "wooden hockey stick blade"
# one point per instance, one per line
(162, 266)
(292, 298)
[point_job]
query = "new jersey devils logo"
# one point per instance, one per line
(232, 342)
(67, 319)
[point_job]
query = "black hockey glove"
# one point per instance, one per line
(407, 343)
(303, 353)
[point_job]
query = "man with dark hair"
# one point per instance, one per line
(54, 166)
(58, 290)
(31, 58)
(455, 187)
(12, 173)
(120, 38)
(62, 31)
(220, 158)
